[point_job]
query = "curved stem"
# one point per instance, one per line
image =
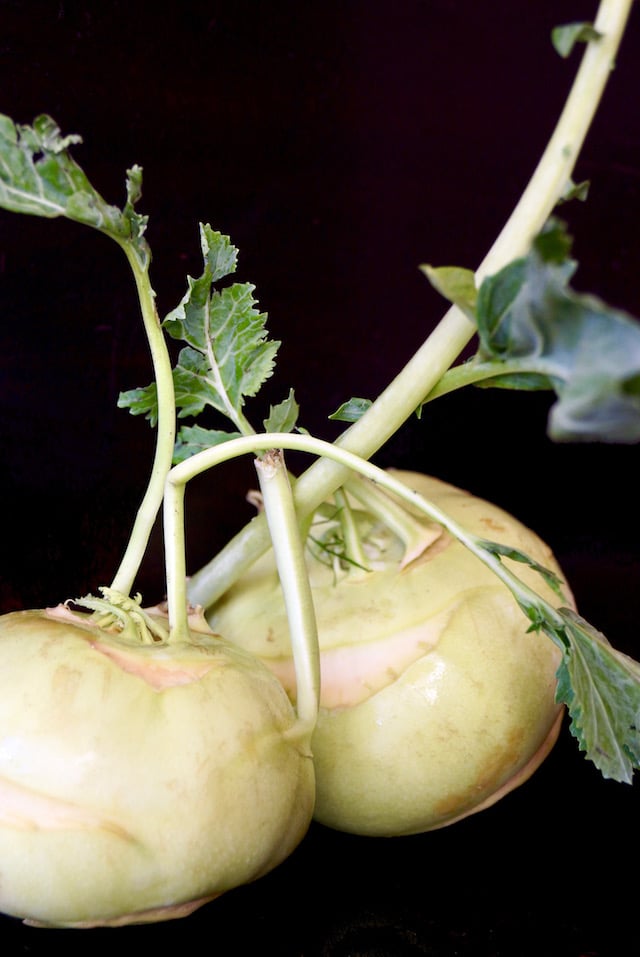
(350, 462)
(166, 431)
(407, 391)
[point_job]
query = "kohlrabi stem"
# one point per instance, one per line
(413, 534)
(408, 390)
(472, 372)
(353, 548)
(288, 549)
(174, 517)
(166, 431)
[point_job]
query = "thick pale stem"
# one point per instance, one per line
(288, 549)
(407, 391)
(166, 432)
(289, 554)
(175, 560)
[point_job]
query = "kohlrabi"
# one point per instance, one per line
(145, 766)
(435, 700)
(534, 332)
(393, 652)
(139, 777)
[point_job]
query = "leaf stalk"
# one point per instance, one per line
(454, 331)
(166, 430)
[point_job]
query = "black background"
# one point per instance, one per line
(339, 145)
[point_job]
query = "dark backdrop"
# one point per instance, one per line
(340, 145)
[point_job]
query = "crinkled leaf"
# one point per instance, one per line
(601, 688)
(539, 333)
(565, 36)
(193, 439)
(351, 410)
(599, 685)
(193, 389)
(190, 320)
(283, 416)
(220, 255)
(227, 356)
(39, 177)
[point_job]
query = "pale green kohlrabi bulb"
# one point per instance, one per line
(436, 700)
(138, 783)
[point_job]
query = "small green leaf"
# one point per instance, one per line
(601, 688)
(283, 417)
(565, 36)
(507, 551)
(351, 410)
(143, 401)
(455, 284)
(193, 439)
(219, 254)
(137, 222)
(579, 191)
(552, 246)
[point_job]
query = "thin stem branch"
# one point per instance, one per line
(408, 390)
(353, 548)
(288, 549)
(165, 436)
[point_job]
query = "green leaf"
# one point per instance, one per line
(284, 416)
(193, 439)
(351, 410)
(579, 191)
(601, 688)
(565, 36)
(536, 332)
(599, 685)
(219, 254)
(39, 177)
(456, 284)
(142, 401)
(507, 551)
(227, 356)
(137, 222)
